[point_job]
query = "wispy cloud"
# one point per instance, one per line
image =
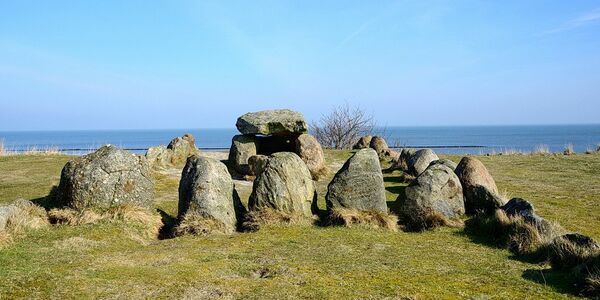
(585, 19)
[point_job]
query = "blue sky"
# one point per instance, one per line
(200, 64)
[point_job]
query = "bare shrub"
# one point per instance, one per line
(267, 216)
(361, 218)
(342, 127)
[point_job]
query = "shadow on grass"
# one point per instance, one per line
(483, 231)
(169, 223)
(48, 202)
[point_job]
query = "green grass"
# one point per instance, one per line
(109, 260)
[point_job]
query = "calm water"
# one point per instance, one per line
(474, 139)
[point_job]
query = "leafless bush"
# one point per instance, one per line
(342, 127)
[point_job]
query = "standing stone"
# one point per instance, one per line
(285, 184)
(257, 164)
(379, 145)
(182, 148)
(358, 184)
(436, 190)
(272, 122)
(207, 190)
(242, 148)
(106, 178)
(363, 142)
(159, 156)
(419, 161)
(311, 152)
(481, 193)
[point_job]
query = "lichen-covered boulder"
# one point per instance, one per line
(285, 184)
(358, 184)
(480, 191)
(311, 152)
(207, 190)
(159, 156)
(436, 191)
(272, 122)
(257, 164)
(420, 160)
(182, 148)
(446, 162)
(242, 148)
(379, 145)
(400, 160)
(106, 178)
(363, 142)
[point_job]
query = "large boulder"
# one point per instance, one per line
(272, 122)
(446, 162)
(182, 148)
(207, 190)
(400, 160)
(311, 152)
(285, 184)
(242, 148)
(420, 160)
(436, 191)
(358, 184)
(257, 164)
(363, 142)
(159, 156)
(481, 193)
(379, 145)
(106, 178)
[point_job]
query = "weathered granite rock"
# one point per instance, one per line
(358, 184)
(363, 142)
(311, 152)
(106, 178)
(207, 190)
(257, 164)
(446, 162)
(182, 148)
(379, 145)
(420, 160)
(518, 207)
(159, 156)
(269, 122)
(242, 148)
(436, 190)
(481, 193)
(285, 184)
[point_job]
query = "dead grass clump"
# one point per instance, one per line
(268, 216)
(541, 150)
(363, 218)
(150, 223)
(426, 220)
(407, 178)
(20, 217)
(565, 253)
(320, 173)
(77, 243)
(196, 224)
(2, 150)
(569, 150)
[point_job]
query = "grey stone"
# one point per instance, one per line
(182, 148)
(420, 160)
(436, 190)
(446, 162)
(268, 122)
(379, 145)
(242, 148)
(257, 164)
(206, 189)
(285, 184)
(518, 207)
(311, 152)
(358, 184)
(363, 142)
(480, 191)
(106, 178)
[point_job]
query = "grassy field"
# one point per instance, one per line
(112, 260)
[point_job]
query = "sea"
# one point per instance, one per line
(445, 140)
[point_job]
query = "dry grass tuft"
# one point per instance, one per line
(77, 243)
(564, 254)
(363, 218)
(268, 216)
(21, 216)
(592, 283)
(2, 150)
(196, 224)
(426, 220)
(541, 150)
(150, 223)
(569, 150)
(321, 173)
(407, 178)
